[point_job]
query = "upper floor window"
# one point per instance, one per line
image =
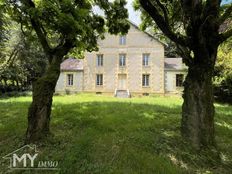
(122, 60)
(100, 60)
(145, 80)
(69, 79)
(146, 59)
(99, 79)
(179, 80)
(122, 40)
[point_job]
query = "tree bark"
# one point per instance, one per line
(40, 109)
(197, 124)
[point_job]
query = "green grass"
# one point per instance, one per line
(105, 135)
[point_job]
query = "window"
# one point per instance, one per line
(70, 79)
(146, 79)
(99, 80)
(100, 60)
(146, 59)
(179, 80)
(145, 94)
(122, 60)
(122, 40)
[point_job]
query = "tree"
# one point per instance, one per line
(23, 63)
(193, 25)
(22, 59)
(147, 24)
(223, 73)
(3, 24)
(62, 25)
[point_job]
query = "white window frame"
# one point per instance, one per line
(100, 60)
(99, 79)
(69, 79)
(146, 58)
(146, 80)
(122, 60)
(122, 40)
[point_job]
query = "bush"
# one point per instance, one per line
(223, 89)
(15, 94)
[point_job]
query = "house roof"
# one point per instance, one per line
(173, 64)
(72, 64)
(150, 35)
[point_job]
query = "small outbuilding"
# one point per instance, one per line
(71, 76)
(175, 72)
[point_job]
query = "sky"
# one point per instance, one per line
(135, 17)
(226, 1)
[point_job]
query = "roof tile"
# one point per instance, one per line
(72, 64)
(173, 63)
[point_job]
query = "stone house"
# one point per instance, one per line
(124, 65)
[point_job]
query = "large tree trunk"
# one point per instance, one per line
(40, 108)
(198, 110)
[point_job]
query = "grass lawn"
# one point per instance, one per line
(105, 135)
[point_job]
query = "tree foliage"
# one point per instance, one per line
(60, 26)
(22, 61)
(58, 22)
(223, 72)
(175, 21)
(194, 26)
(3, 27)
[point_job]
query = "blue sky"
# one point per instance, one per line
(226, 1)
(135, 17)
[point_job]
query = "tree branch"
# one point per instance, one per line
(163, 9)
(186, 55)
(213, 2)
(226, 14)
(38, 29)
(191, 8)
(162, 24)
(211, 8)
(64, 47)
(12, 55)
(226, 35)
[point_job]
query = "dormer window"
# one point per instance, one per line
(122, 40)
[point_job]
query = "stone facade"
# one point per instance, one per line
(62, 84)
(173, 68)
(137, 44)
(133, 76)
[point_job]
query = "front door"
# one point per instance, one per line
(122, 81)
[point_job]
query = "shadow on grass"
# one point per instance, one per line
(115, 137)
(130, 128)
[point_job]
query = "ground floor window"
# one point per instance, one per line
(99, 79)
(69, 79)
(179, 80)
(145, 80)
